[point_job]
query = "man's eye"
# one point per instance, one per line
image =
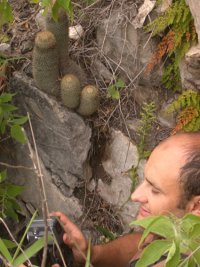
(154, 191)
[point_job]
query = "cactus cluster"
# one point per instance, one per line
(56, 74)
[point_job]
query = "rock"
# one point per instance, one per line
(167, 119)
(5, 49)
(100, 71)
(164, 5)
(194, 6)
(76, 32)
(190, 69)
(144, 10)
(26, 47)
(62, 137)
(120, 156)
(128, 49)
(31, 194)
(144, 94)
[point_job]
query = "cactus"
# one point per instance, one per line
(45, 63)
(89, 100)
(60, 30)
(70, 91)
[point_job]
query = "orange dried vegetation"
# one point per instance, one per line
(164, 47)
(186, 116)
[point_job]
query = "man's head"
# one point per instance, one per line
(171, 178)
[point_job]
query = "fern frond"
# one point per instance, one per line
(186, 120)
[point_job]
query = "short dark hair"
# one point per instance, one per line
(190, 176)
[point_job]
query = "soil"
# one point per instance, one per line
(110, 114)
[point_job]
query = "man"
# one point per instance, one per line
(171, 185)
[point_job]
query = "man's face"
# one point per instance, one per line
(160, 192)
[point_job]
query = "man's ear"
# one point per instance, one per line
(194, 206)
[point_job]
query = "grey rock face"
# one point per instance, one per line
(128, 49)
(56, 200)
(190, 69)
(62, 137)
(120, 156)
(194, 6)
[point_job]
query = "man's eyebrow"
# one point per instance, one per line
(152, 184)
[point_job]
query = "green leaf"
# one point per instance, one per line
(17, 134)
(9, 244)
(32, 250)
(10, 211)
(8, 107)
(19, 121)
(3, 126)
(156, 224)
(6, 12)
(5, 97)
(14, 190)
(4, 251)
(35, 1)
(3, 176)
(24, 236)
(113, 92)
(153, 252)
(173, 256)
(120, 84)
(108, 234)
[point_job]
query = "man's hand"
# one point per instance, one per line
(73, 237)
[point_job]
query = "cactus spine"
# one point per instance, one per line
(70, 91)
(60, 30)
(45, 63)
(89, 100)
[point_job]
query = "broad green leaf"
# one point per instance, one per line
(3, 176)
(29, 252)
(196, 255)
(153, 252)
(4, 251)
(192, 218)
(6, 12)
(17, 134)
(156, 224)
(113, 92)
(6, 97)
(19, 121)
(120, 84)
(195, 233)
(173, 256)
(14, 190)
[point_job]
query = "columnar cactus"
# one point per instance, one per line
(70, 91)
(89, 100)
(45, 63)
(60, 30)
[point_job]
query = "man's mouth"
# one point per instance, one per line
(144, 212)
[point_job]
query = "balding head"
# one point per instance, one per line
(186, 147)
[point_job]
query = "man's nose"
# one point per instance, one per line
(139, 195)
